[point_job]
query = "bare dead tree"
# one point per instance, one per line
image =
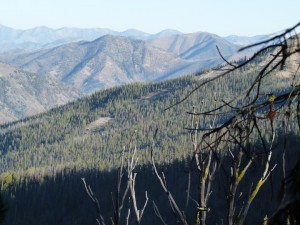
(118, 201)
(206, 165)
(246, 114)
(90, 193)
(120, 196)
(206, 168)
(178, 213)
(131, 164)
(237, 174)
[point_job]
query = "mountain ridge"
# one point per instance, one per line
(195, 46)
(107, 61)
(43, 36)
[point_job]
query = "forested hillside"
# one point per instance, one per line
(44, 157)
(62, 134)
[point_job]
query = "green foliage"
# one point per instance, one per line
(6, 180)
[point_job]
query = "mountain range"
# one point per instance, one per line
(114, 60)
(103, 63)
(45, 37)
(72, 62)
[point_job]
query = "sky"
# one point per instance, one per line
(222, 17)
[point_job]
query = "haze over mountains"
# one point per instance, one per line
(71, 62)
(244, 40)
(44, 37)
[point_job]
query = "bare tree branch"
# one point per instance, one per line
(95, 201)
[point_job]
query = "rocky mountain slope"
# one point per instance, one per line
(104, 62)
(195, 46)
(24, 94)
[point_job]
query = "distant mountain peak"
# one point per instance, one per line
(195, 46)
(166, 32)
(134, 33)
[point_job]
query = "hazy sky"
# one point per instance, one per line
(222, 17)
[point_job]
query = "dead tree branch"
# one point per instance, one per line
(90, 193)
